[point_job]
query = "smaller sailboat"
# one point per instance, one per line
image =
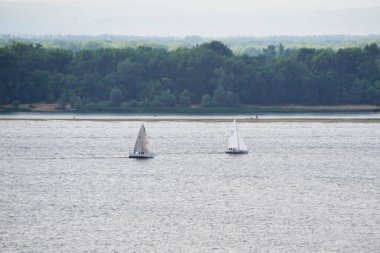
(236, 144)
(141, 149)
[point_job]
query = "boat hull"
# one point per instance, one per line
(237, 152)
(142, 156)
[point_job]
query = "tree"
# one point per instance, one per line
(220, 78)
(154, 76)
(168, 98)
(270, 51)
(377, 92)
(62, 101)
(281, 49)
(50, 97)
(218, 47)
(219, 95)
(362, 91)
(231, 99)
(184, 99)
(116, 96)
(206, 100)
(224, 98)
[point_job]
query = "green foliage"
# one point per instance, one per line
(116, 96)
(62, 101)
(156, 77)
(252, 46)
(168, 98)
(50, 97)
(218, 48)
(184, 99)
(231, 99)
(206, 100)
(223, 98)
(218, 96)
(376, 88)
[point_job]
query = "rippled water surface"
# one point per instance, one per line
(68, 186)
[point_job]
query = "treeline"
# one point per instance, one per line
(251, 46)
(207, 74)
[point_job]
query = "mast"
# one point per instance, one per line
(237, 134)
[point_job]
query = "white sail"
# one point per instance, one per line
(233, 139)
(141, 149)
(236, 143)
(141, 144)
(242, 145)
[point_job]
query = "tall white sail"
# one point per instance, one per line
(141, 144)
(242, 145)
(233, 139)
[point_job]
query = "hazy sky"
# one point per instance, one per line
(191, 17)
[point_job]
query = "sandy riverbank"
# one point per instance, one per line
(210, 120)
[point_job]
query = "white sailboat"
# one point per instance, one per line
(141, 149)
(236, 144)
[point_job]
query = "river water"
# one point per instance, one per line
(68, 186)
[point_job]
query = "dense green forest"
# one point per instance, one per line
(208, 74)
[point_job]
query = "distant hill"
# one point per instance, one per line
(239, 45)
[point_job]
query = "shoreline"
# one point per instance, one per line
(196, 110)
(210, 120)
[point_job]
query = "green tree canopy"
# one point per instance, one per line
(116, 96)
(154, 76)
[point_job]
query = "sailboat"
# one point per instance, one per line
(236, 144)
(141, 149)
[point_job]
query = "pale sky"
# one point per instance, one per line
(190, 17)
